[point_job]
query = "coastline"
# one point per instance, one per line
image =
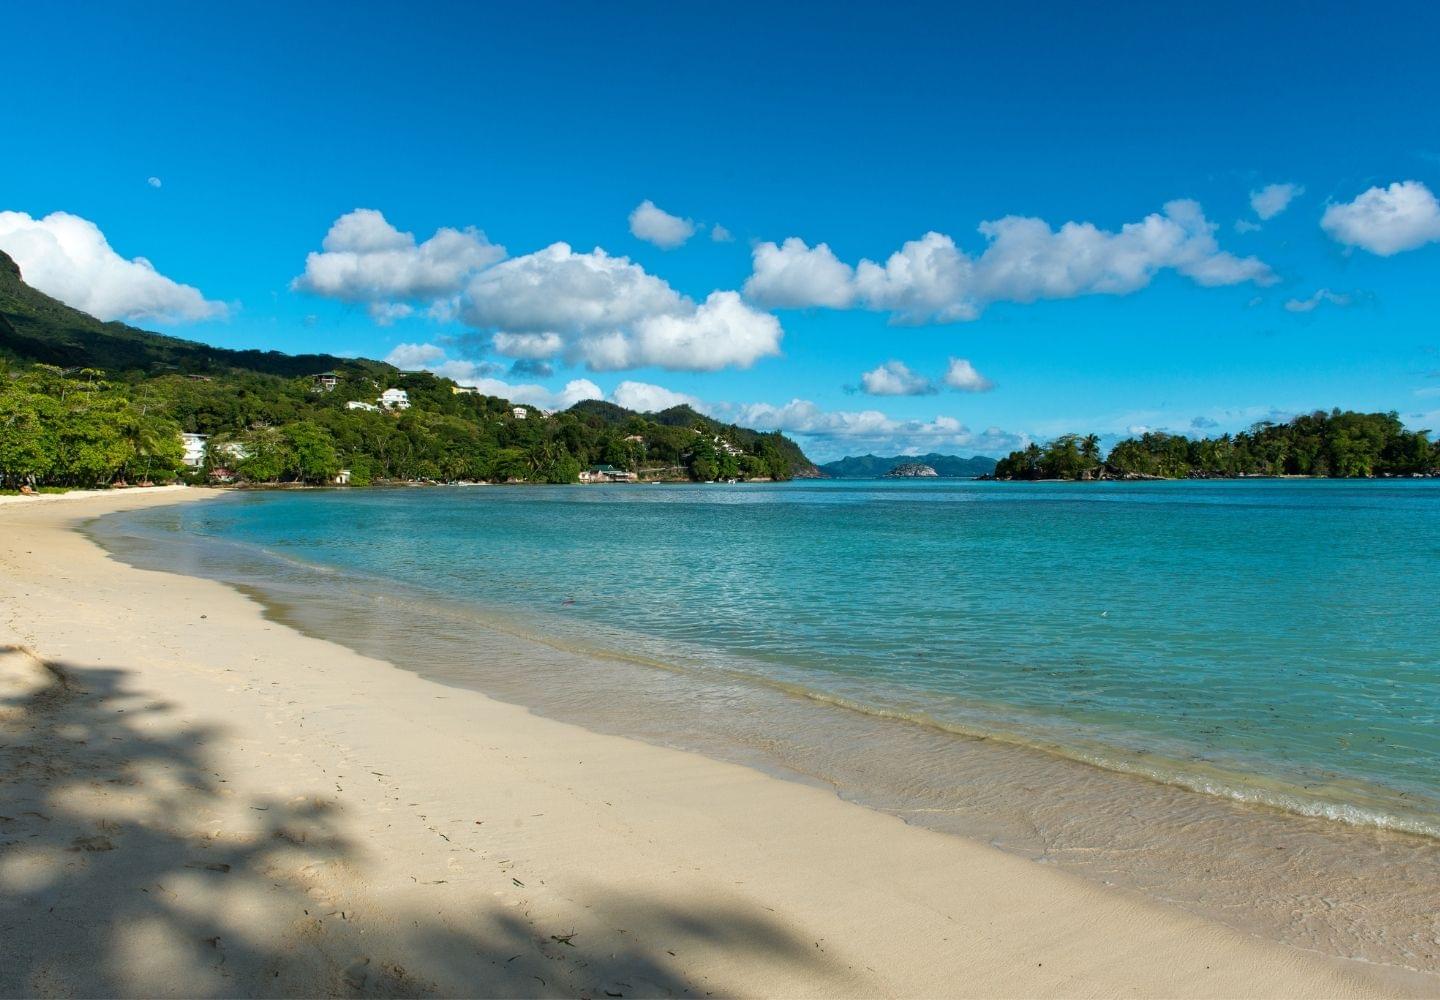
(380, 832)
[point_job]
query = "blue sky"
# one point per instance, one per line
(862, 128)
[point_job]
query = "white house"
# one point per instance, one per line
(356, 404)
(325, 381)
(194, 449)
(395, 399)
(464, 390)
(519, 412)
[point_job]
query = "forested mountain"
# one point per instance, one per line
(84, 403)
(874, 467)
(37, 328)
(1339, 444)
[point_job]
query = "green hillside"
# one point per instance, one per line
(84, 403)
(36, 328)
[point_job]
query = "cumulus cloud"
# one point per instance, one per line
(719, 234)
(1322, 296)
(644, 397)
(69, 258)
(528, 346)
(415, 357)
(1025, 260)
(894, 378)
(386, 313)
(793, 274)
(610, 314)
(527, 368)
(962, 376)
(653, 224)
(1387, 220)
(1273, 199)
(574, 392)
(365, 259)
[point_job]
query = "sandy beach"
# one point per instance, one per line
(198, 801)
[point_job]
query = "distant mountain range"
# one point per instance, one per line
(875, 466)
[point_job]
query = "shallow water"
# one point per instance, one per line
(1265, 642)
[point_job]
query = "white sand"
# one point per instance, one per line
(197, 801)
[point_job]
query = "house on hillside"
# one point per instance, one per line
(607, 474)
(727, 447)
(325, 381)
(463, 390)
(194, 449)
(356, 404)
(395, 399)
(519, 412)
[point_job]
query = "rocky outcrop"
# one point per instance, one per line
(912, 470)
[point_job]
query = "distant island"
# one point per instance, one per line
(1340, 444)
(85, 403)
(877, 467)
(912, 470)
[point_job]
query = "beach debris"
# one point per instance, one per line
(565, 939)
(96, 843)
(517, 882)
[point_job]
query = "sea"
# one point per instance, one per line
(1221, 694)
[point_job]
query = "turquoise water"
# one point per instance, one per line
(1271, 641)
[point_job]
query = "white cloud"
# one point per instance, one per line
(1246, 226)
(924, 278)
(719, 234)
(1322, 296)
(415, 357)
(537, 395)
(528, 346)
(794, 274)
(69, 258)
(611, 314)
(557, 289)
(722, 332)
(386, 313)
(1025, 260)
(894, 378)
(366, 259)
(154, 182)
(1273, 199)
(653, 224)
(646, 398)
(1386, 221)
(962, 376)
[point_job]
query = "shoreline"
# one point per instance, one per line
(401, 803)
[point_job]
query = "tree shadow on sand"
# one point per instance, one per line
(129, 866)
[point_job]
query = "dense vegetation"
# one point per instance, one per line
(1340, 444)
(874, 467)
(119, 418)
